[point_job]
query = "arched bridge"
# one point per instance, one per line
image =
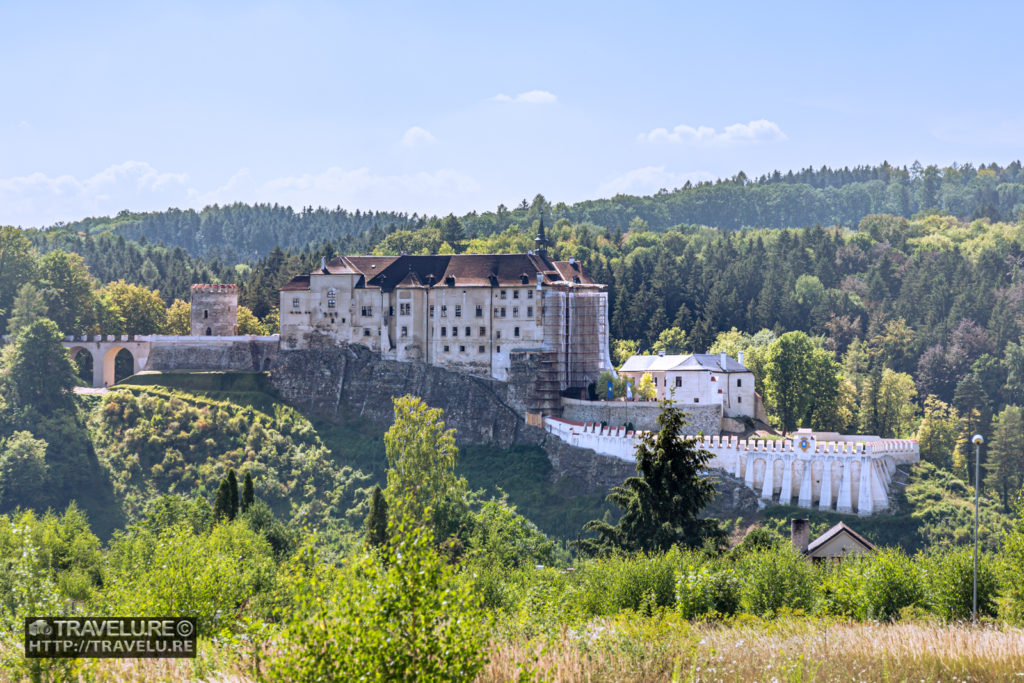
(104, 350)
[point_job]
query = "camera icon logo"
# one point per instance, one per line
(40, 627)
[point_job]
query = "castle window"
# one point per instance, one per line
(515, 332)
(515, 293)
(332, 294)
(499, 348)
(431, 310)
(679, 381)
(515, 311)
(502, 311)
(404, 309)
(483, 331)
(295, 302)
(529, 294)
(497, 334)
(739, 399)
(405, 331)
(696, 400)
(469, 331)
(444, 331)
(481, 348)
(209, 332)
(462, 349)
(479, 311)
(391, 311)
(458, 311)
(504, 294)
(444, 311)
(366, 332)
(739, 382)
(529, 311)
(206, 314)
(367, 311)
(446, 348)
(455, 331)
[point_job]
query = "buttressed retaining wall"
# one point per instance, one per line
(845, 476)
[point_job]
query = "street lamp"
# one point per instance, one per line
(977, 440)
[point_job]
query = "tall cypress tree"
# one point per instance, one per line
(377, 519)
(232, 494)
(248, 493)
(222, 501)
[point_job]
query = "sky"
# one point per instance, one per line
(450, 107)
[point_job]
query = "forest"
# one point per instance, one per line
(869, 300)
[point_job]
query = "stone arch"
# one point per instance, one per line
(109, 364)
(759, 466)
(85, 361)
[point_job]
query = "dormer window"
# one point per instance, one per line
(450, 280)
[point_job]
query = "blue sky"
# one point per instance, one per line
(449, 107)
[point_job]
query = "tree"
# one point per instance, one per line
(248, 492)
(1005, 466)
(452, 231)
(421, 482)
(29, 306)
(377, 519)
(249, 323)
(179, 319)
(36, 371)
(645, 387)
(896, 409)
(232, 493)
(937, 432)
(622, 349)
(671, 341)
(17, 266)
(661, 504)
(23, 471)
(786, 374)
(131, 309)
(70, 291)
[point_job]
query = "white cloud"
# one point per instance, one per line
(648, 180)
(416, 137)
(39, 199)
(755, 131)
(529, 97)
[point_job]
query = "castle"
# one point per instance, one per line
(465, 312)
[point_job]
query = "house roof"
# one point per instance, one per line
(689, 362)
(838, 529)
(466, 270)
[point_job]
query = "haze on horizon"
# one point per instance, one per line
(433, 109)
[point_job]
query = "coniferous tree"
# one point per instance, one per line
(222, 501)
(377, 519)
(232, 494)
(660, 505)
(29, 306)
(248, 492)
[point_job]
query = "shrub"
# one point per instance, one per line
(891, 582)
(777, 579)
(703, 589)
(948, 580)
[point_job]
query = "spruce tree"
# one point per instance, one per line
(661, 504)
(232, 494)
(377, 519)
(248, 493)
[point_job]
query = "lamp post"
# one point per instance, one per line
(977, 440)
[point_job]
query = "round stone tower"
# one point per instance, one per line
(214, 310)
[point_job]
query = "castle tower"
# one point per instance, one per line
(214, 310)
(541, 241)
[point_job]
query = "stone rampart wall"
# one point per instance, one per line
(247, 354)
(642, 414)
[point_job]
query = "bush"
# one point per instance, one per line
(703, 590)
(891, 582)
(949, 579)
(394, 614)
(777, 579)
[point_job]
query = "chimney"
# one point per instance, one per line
(739, 357)
(661, 353)
(800, 533)
(725, 357)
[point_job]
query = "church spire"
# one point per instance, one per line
(541, 242)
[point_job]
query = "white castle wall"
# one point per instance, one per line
(845, 476)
